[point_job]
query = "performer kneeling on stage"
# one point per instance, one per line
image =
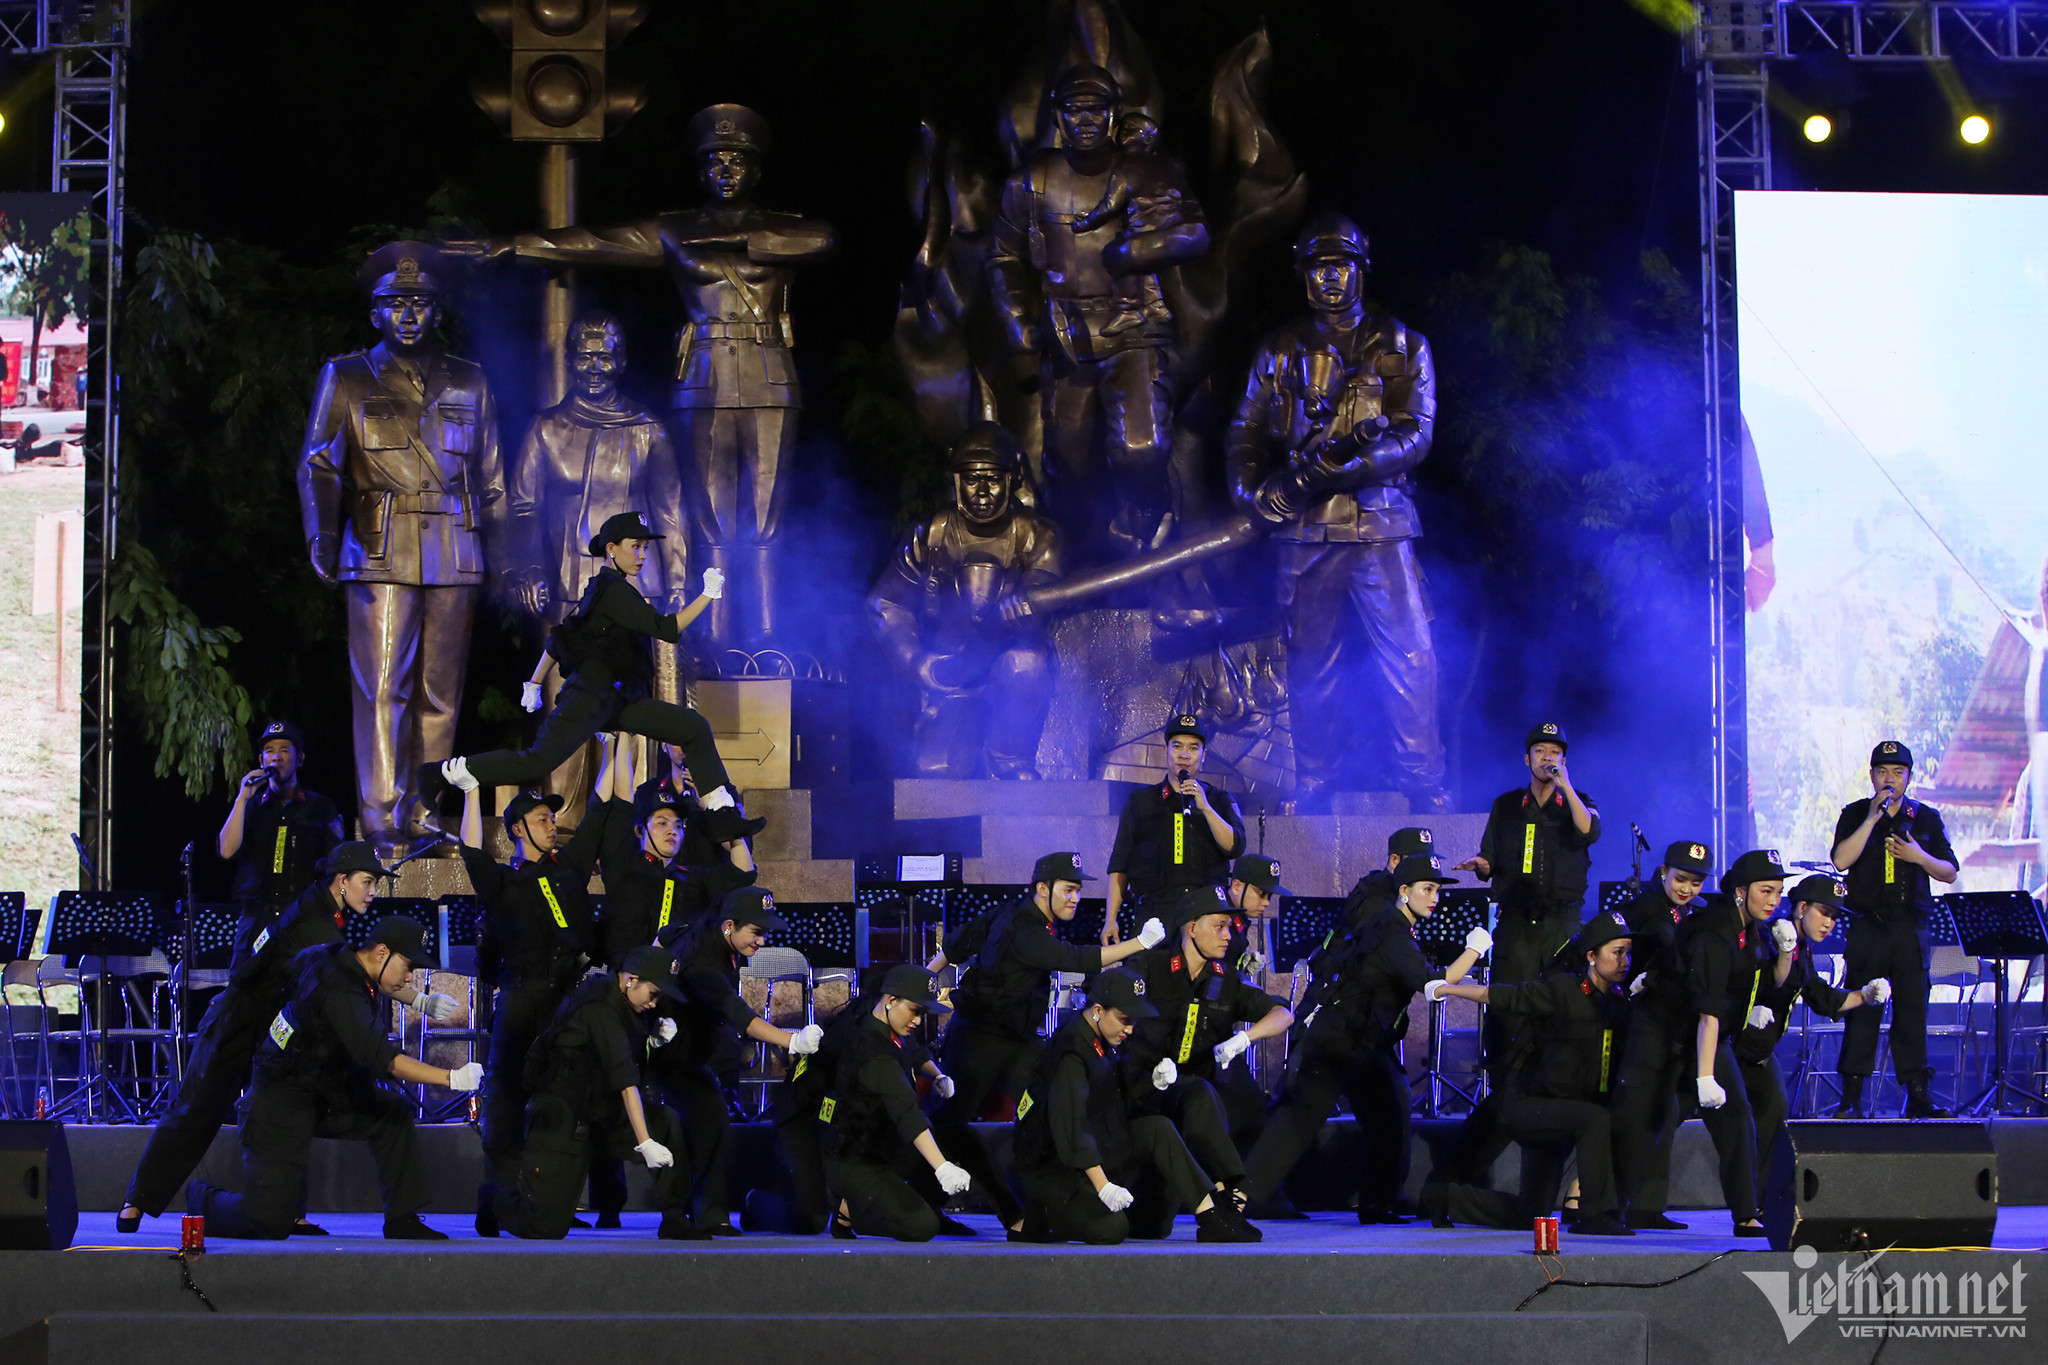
(259, 983)
(872, 1120)
(605, 648)
(1083, 1164)
(584, 1072)
(1557, 1077)
(320, 1073)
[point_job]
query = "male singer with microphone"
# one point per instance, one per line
(1173, 837)
(277, 830)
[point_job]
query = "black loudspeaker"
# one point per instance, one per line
(38, 1202)
(1851, 1185)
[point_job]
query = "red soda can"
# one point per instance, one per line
(194, 1234)
(1546, 1236)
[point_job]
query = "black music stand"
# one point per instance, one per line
(205, 942)
(1999, 927)
(102, 924)
(1442, 938)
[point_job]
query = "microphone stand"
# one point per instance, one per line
(1638, 847)
(187, 946)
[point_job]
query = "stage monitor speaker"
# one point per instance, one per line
(38, 1202)
(1851, 1185)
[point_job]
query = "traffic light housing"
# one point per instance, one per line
(558, 89)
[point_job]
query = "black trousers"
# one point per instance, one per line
(982, 1064)
(1654, 1065)
(1161, 1174)
(881, 1202)
(706, 1150)
(518, 1015)
(558, 1157)
(1549, 1131)
(1526, 937)
(215, 1076)
(807, 1209)
(1764, 1083)
(1733, 1129)
(1893, 950)
(580, 714)
(1331, 1065)
(278, 1128)
(1193, 1106)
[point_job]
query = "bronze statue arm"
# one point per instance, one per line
(1380, 454)
(493, 509)
(636, 244)
(1147, 253)
(1244, 444)
(806, 240)
(1011, 284)
(320, 464)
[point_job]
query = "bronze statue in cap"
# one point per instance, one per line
(736, 398)
(401, 490)
(1337, 413)
(987, 681)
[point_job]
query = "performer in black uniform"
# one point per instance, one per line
(259, 982)
(1177, 836)
(1559, 1075)
(1789, 978)
(584, 1073)
(1076, 1148)
(604, 648)
(277, 831)
(1657, 1051)
(692, 1071)
(319, 1073)
(873, 1126)
(1346, 1045)
(650, 880)
(1890, 848)
(1201, 1001)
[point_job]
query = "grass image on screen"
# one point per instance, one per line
(44, 257)
(1893, 348)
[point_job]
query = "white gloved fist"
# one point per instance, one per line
(1433, 990)
(1877, 990)
(1165, 1074)
(1637, 986)
(1115, 1197)
(805, 1040)
(456, 770)
(1783, 935)
(1153, 934)
(943, 1087)
(529, 696)
(664, 1032)
(1232, 1048)
(439, 1008)
(714, 583)
(1761, 1017)
(469, 1076)
(1479, 941)
(1252, 963)
(952, 1179)
(657, 1157)
(1712, 1096)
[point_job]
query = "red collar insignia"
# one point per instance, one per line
(1099, 1050)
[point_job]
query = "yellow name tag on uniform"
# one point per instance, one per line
(668, 902)
(547, 893)
(281, 1030)
(1891, 865)
(1528, 850)
(1606, 1054)
(1187, 1036)
(261, 939)
(277, 859)
(827, 1109)
(1023, 1104)
(1180, 839)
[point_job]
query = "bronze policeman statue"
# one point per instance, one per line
(1061, 290)
(400, 488)
(736, 398)
(595, 453)
(987, 682)
(1337, 413)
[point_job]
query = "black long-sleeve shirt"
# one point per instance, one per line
(1577, 1035)
(1369, 978)
(1195, 1013)
(1754, 1044)
(871, 1111)
(538, 921)
(1008, 988)
(1072, 1115)
(1163, 840)
(1653, 923)
(1884, 886)
(711, 1018)
(1718, 955)
(643, 895)
(262, 964)
(282, 839)
(590, 1052)
(611, 629)
(1539, 861)
(331, 1035)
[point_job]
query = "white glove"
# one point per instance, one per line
(1479, 941)
(1433, 990)
(714, 583)
(1783, 935)
(1761, 1017)
(1165, 1074)
(1712, 1096)
(437, 1007)
(1637, 986)
(805, 1040)
(1252, 963)
(943, 1087)
(1115, 1197)
(529, 696)
(1153, 934)
(952, 1179)
(1232, 1048)
(469, 1076)
(1876, 991)
(657, 1157)
(456, 770)
(664, 1032)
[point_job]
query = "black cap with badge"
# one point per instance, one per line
(1421, 867)
(285, 730)
(1059, 867)
(405, 937)
(622, 526)
(1549, 732)
(1186, 723)
(1410, 842)
(652, 964)
(1757, 865)
(1117, 989)
(908, 981)
(753, 905)
(525, 803)
(1820, 889)
(357, 855)
(1601, 930)
(1891, 751)
(1256, 869)
(1686, 856)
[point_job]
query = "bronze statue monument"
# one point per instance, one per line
(1336, 414)
(986, 680)
(400, 489)
(735, 397)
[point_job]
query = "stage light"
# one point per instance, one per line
(1975, 130)
(1818, 127)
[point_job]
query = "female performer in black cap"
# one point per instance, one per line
(604, 648)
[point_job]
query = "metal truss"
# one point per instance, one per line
(1901, 31)
(87, 43)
